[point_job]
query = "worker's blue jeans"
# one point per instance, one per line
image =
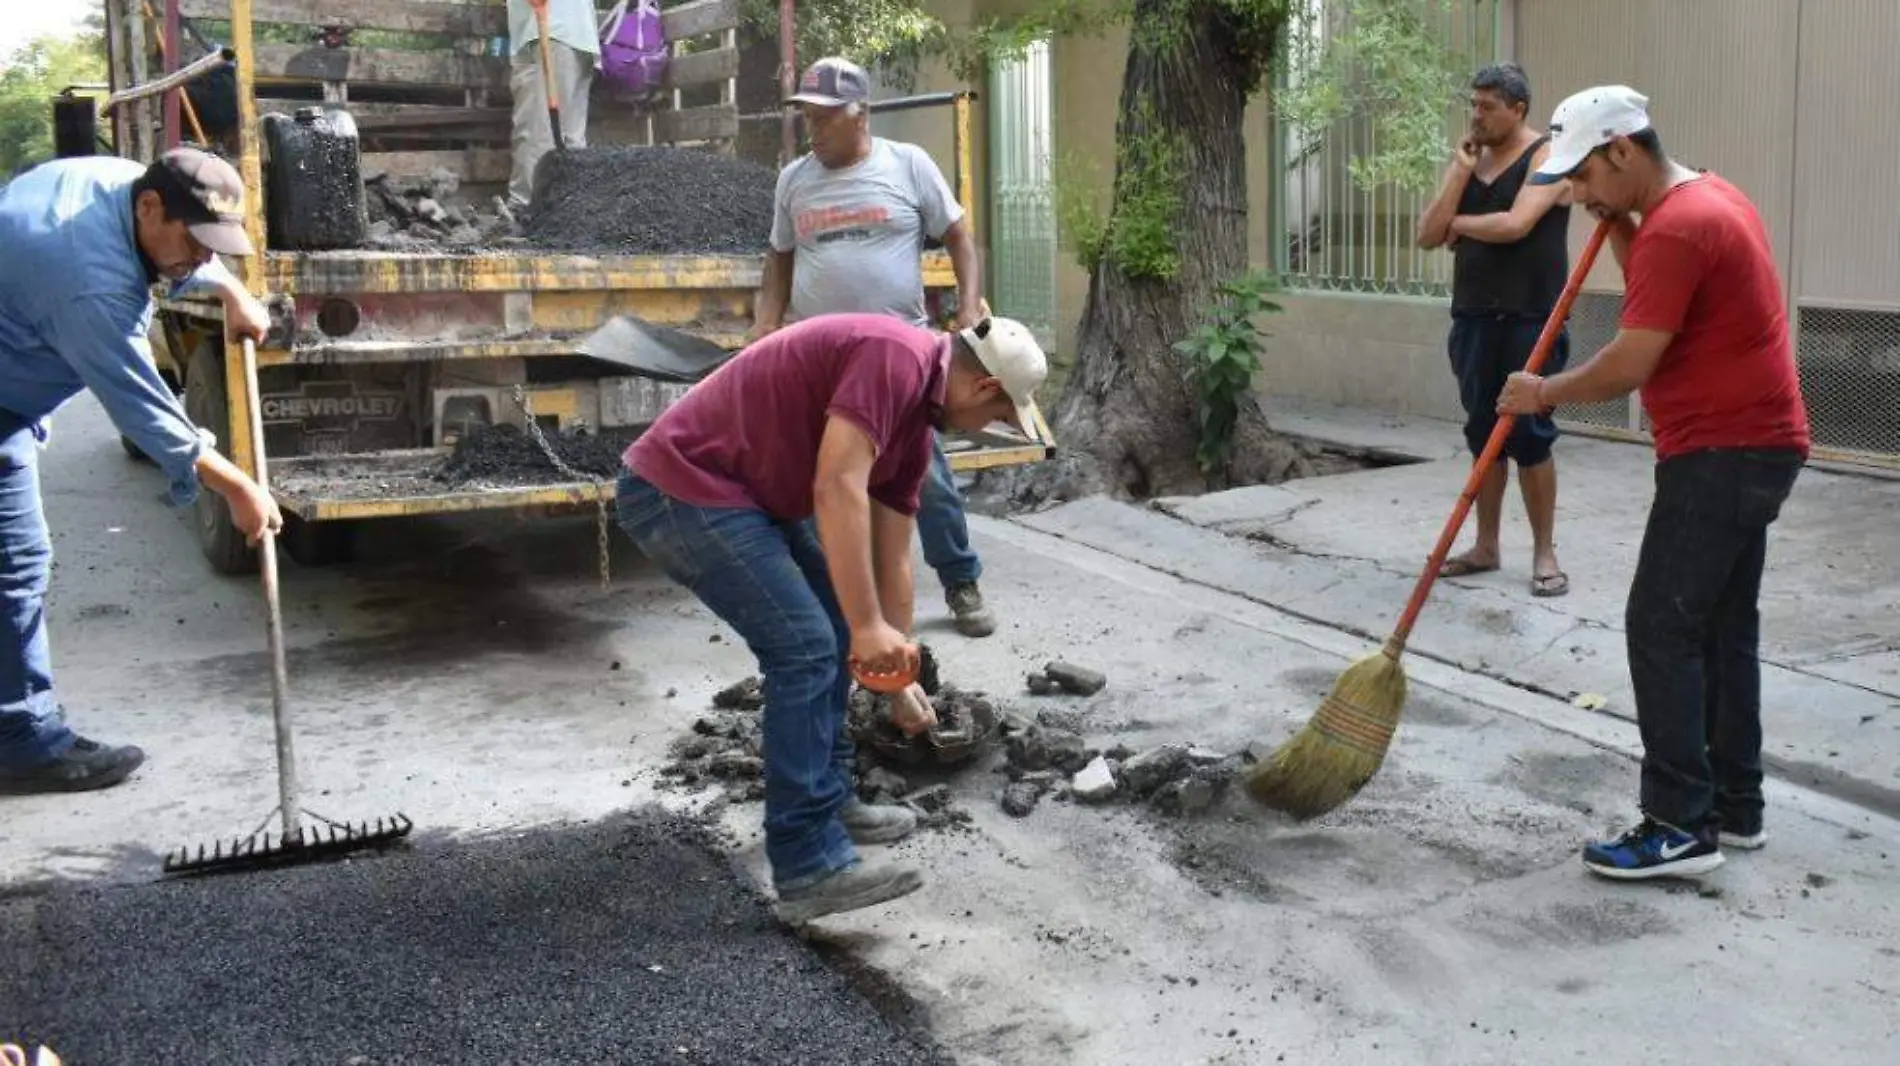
(941, 526)
(31, 725)
(767, 580)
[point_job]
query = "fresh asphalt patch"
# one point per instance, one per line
(633, 940)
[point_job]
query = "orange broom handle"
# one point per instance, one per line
(1495, 445)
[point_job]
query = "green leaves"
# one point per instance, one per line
(36, 72)
(1384, 61)
(1224, 357)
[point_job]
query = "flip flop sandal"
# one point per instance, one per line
(1550, 584)
(1462, 567)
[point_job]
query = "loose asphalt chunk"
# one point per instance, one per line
(627, 941)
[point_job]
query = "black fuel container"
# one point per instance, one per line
(313, 181)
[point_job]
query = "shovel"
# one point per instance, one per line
(654, 350)
(547, 73)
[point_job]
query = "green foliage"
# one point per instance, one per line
(893, 35)
(35, 73)
(1080, 218)
(1137, 232)
(1387, 64)
(1225, 356)
(1149, 171)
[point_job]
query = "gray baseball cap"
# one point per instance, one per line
(833, 82)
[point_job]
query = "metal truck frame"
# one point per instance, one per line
(376, 358)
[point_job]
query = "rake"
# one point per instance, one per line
(296, 843)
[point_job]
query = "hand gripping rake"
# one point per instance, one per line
(296, 843)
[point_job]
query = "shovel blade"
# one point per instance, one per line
(654, 350)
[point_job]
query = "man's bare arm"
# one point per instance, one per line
(843, 506)
(1622, 367)
(1434, 225)
(969, 271)
(1531, 204)
(775, 293)
(890, 561)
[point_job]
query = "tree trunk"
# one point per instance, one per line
(1130, 403)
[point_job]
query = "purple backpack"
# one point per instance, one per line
(633, 48)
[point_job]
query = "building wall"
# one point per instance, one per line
(1791, 100)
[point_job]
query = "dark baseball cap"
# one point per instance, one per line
(833, 82)
(204, 192)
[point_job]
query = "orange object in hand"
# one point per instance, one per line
(889, 682)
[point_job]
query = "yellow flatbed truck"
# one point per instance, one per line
(379, 360)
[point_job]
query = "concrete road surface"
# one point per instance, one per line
(473, 675)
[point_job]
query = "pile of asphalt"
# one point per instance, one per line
(650, 201)
(629, 941)
(504, 454)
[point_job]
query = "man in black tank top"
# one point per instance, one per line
(1509, 240)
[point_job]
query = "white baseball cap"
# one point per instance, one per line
(1010, 353)
(1587, 121)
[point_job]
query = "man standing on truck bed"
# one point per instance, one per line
(574, 45)
(86, 239)
(1511, 261)
(1704, 335)
(848, 235)
(819, 434)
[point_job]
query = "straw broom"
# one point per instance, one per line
(1333, 757)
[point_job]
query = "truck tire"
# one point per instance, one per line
(221, 541)
(313, 544)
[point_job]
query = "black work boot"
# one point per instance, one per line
(85, 766)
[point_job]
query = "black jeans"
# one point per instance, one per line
(1694, 630)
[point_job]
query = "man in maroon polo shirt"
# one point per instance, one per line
(819, 433)
(1704, 335)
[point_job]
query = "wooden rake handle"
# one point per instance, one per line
(1495, 446)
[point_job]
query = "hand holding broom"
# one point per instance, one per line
(1332, 758)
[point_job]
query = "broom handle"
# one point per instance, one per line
(547, 71)
(1493, 447)
(289, 807)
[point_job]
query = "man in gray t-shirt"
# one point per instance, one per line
(848, 235)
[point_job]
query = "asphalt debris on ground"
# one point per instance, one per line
(726, 746)
(504, 454)
(650, 201)
(632, 940)
(1051, 756)
(429, 214)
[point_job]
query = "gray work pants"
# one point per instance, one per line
(573, 77)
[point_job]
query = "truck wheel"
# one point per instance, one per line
(222, 543)
(314, 544)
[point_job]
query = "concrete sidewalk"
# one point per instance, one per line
(1346, 551)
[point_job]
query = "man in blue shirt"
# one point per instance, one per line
(85, 240)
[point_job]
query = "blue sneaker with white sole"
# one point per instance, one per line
(1653, 849)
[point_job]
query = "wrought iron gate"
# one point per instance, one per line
(1022, 267)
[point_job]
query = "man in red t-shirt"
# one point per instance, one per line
(1704, 335)
(821, 432)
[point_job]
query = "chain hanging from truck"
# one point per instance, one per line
(600, 484)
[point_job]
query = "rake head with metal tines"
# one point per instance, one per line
(311, 845)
